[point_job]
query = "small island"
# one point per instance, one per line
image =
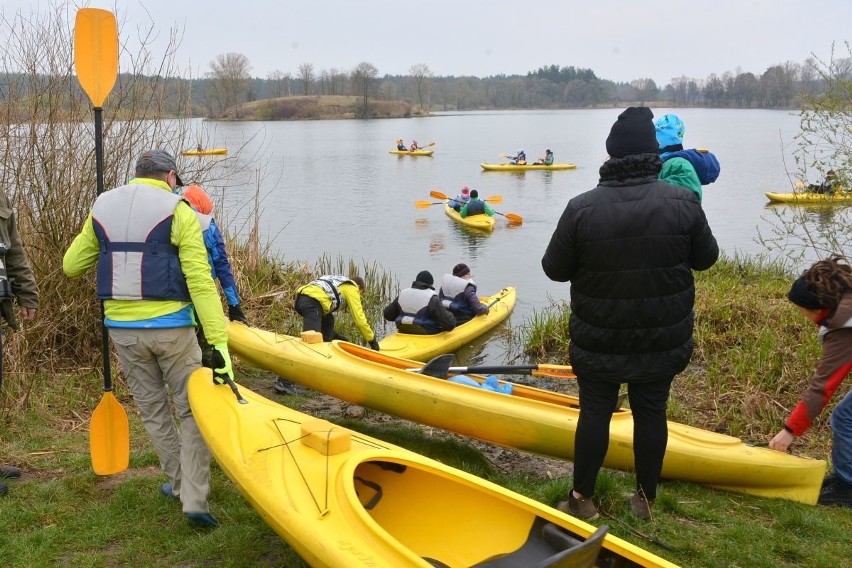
(321, 107)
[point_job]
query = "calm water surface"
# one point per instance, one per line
(332, 188)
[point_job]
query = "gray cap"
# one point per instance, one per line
(157, 161)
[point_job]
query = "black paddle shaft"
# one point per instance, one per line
(99, 173)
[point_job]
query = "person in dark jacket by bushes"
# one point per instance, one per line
(628, 247)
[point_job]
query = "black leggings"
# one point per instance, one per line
(648, 402)
(311, 310)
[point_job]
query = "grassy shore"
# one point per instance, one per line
(754, 355)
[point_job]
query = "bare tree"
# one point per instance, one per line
(646, 89)
(421, 74)
(231, 80)
(306, 73)
(364, 83)
(279, 83)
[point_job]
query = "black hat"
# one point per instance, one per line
(461, 269)
(633, 133)
(157, 161)
(425, 277)
(474, 193)
(801, 295)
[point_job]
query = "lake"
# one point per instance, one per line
(331, 187)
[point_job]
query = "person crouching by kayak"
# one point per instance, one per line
(476, 206)
(419, 310)
(317, 301)
(460, 199)
(458, 294)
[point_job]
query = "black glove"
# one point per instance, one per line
(235, 313)
(374, 345)
(222, 368)
(457, 207)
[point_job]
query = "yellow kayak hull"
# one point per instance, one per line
(523, 168)
(424, 347)
(481, 222)
(209, 152)
(810, 198)
(342, 499)
(414, 153)
(530, 419)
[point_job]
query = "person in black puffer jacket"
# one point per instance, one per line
(628, 248)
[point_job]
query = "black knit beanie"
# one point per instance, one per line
(633, 133)
(801, 295)
(425, 277)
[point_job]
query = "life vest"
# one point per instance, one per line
(330, 283)
(414, 303)
(452, 295)
(137, 261)
(475, 207)
(548, 159)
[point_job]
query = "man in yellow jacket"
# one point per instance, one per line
(317, 301)
(154, 278)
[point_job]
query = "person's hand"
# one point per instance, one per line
(27, 313)
(782, 440)
(374, 345)
(222, 368)
(235, 313)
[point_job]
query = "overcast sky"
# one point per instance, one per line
(620, 40)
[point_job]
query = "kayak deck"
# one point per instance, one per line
(412, 153)
(808, 197)
(482, 222)
(209, 152)
(525, 167)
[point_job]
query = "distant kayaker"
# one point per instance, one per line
(200, 148)
(547, 160)
(628, 248)
(400, 146)
(520, 158)
(827, 186)
(475, 206)
(458, 294)
(419, 310)
(155, 282)
(17, 283)
(823, 295)
(459, 200)
(687, 168)
(413, 147)
(220, 264)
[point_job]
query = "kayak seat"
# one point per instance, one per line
(547, 546)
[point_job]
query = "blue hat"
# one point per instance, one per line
(670, 131)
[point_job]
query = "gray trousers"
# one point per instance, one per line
(155, 362)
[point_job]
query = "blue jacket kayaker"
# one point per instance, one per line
(520, 158)
(419, 310)
(459, 200)
(687, 168)
(458, 294)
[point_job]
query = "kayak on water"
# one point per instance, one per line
(424, 347)
(482, 221)
(343, 499)
(528, 419)
(810, 197)
(414, 153)
(525, 167)
(208, 152)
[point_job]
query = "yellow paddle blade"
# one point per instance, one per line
(494, 199)
(557, 371)
(503, 155)
(109, 437)
(96, 52)
(512, 217)
(423, 204)
(438, 195)
(799, 185)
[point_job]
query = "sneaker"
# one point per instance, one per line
(9, 472)
(202, 520)
(640, 506)
(166, 489)
(282, 386)
(838, 493)
(582, 508)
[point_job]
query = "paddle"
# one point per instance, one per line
(440, 367)
(96, 63)
(490, 199)
(422, 147)
(512, 217)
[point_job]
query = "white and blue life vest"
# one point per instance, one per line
(330, 283)
(414, 303)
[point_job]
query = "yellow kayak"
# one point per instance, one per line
(810, 197)
(530, 419)
(482, 222)
(208, 152)
(414, 153)
(342, 499)
(424, 347)
(525, 167)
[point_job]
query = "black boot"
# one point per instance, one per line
(9, 472)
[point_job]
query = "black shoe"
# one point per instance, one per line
(837, 493)
(282, 386)
(9, 472)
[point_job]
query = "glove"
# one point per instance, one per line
(235, 313)
(457, 207)
(222, 369)
(374, 345)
